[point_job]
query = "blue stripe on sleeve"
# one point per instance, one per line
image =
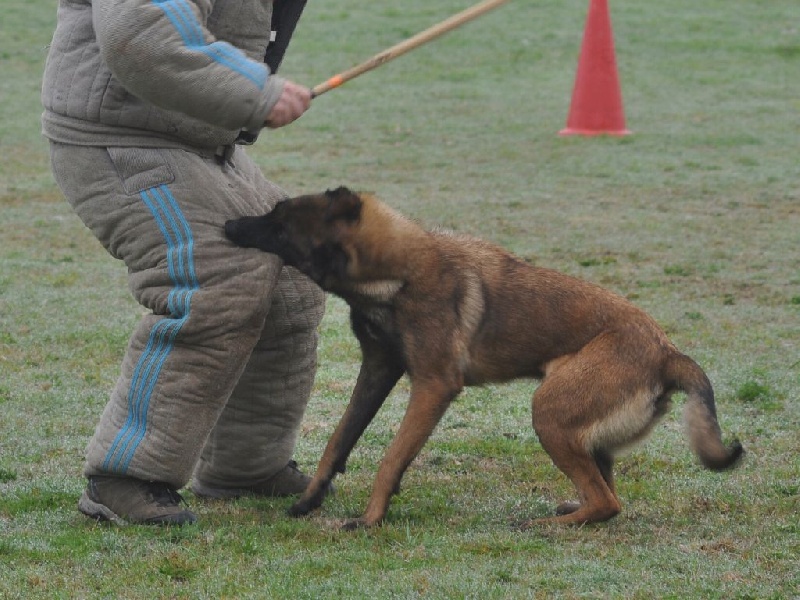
(182, 17)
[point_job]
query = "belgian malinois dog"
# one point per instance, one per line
(454, 311)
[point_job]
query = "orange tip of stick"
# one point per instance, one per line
(335, 81)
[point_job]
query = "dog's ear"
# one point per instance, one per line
(343, 204)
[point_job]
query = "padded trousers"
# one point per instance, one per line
(218, 371)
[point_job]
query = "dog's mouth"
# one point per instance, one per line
(257, 232)
(321, 263)
(244, 232)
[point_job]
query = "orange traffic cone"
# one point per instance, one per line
(596, 106)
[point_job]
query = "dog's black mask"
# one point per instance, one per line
(302, 231)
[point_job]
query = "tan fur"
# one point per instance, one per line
(379, 291)
(623, 428)
(449, 311)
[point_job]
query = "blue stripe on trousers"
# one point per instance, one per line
(180, 264)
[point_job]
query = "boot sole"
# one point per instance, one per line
(212, 493)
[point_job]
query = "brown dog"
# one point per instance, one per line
(450, 311)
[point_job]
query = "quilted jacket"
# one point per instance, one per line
(158, 73)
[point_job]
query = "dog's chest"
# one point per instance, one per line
(379, 320)
(373, 301)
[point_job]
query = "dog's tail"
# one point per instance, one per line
(700, 414)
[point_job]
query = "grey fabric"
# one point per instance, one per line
(229, 340)
(166, 73)
(253, 440)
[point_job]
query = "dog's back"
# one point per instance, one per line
(514, 295)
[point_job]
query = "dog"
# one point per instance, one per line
(451, 311)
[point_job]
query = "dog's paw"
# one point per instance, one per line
(301, 508)
(310, 501)
(568, 507)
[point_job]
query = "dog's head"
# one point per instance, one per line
(306, 232)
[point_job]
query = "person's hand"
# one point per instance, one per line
(294, 101)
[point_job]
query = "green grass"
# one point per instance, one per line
(695, 217)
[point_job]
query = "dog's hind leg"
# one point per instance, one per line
(605, 463)
(597, 501)
(559, 420)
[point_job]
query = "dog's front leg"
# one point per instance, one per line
(379, 373)
(429, 401)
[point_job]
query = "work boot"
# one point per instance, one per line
(124, 500)
(286, 482)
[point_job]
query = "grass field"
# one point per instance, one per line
(695, 217)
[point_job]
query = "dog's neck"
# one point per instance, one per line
(392, 240)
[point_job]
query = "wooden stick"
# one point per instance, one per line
(405, 46)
